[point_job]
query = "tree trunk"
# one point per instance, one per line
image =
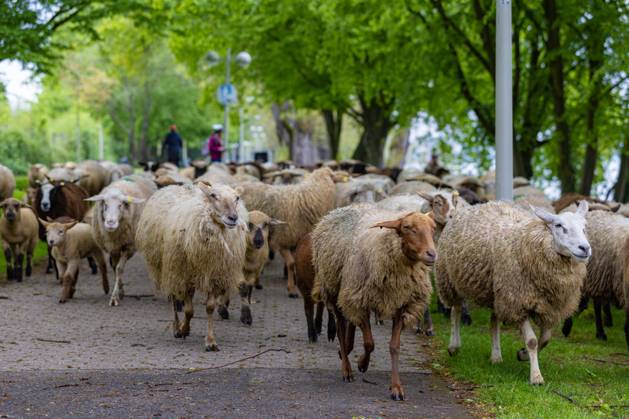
(621, 190)
(553, 45)
(333, 125)
(375, 119)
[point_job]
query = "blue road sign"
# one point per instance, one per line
(226, 94)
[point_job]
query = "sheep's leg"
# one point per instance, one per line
(210, 341)
(223, 306)
(8, 257)
(188, 311)
(350, 333)
(428, 327)
(496, 353)
(627, 313)
(51, 262)
(18, 263)
(318, 321)
(567, 327)
(397, 391)
(466, 319)
(530, 340)
(92, 263)
(176, 319)
(341, 328)
(309, 312)
(257, 284)
(455, 330)
(245, 303)
(544, 338)
(29, 262)
(289, 261)
(102, 266)
(69, 276)
(120, 260)
(600, 331)
(368, 345)
(331, 326)
(607, 312)
(441, 308)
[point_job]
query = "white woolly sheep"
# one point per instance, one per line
(194, 238)
(37, 175)
(18, 229)
(525, 268)
(355, 190)
(367, 259)
(92, 176)
(115, 220)
(300, 206)
(71, 242)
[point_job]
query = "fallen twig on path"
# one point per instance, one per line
(52, 340)
(4, 297)
(369, 382)
(570, 399)
(239, 360)
(606, 361)
(138, 296)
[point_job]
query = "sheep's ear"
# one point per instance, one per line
(544, 215)
(95, 198)
(77, 180)
(276, 222)
(44, 223)
(393, 224)
(48, 179)
(38, 182)
(4, 204)
(426, 196)
(614, 206)
(239, 190)
(68, 226)
(133, 200)
(430, 215)
(582, 208)
(50, 220)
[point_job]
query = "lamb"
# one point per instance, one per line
(71, 242)
(7, 183)
(92, 176)
(365, 260)
(18, 229)
(256, 257)
(527, 267)
(117, 212)
(304, 277)
(37, 175)
(194, 238)
(607, 233)
(300, 206)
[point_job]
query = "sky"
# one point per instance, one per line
(21, 88)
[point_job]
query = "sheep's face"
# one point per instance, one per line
(443, 206)
(11, 208)
(56, 232)
(112, 207)
(259, 228)
(47, 193)
(568, 231)
(223, 204)
(416, 231)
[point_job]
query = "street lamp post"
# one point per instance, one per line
(504, 103)
(228, 59)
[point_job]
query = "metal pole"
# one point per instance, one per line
(241, 134)
(504, 103)
(228, 60)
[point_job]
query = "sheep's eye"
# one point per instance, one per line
(213, 195)
(61, 232)
(250, 226)
(558, 226)
(237, 198)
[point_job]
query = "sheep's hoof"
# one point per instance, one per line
(259, 286)
(348, 377)
(380, 322)
(466, 319)
(312, 337)
(223, 312)
(211, 348)
(62, 301)
(331, 331)
(453, 350)
(245, 316)
(178, 334)
(496, 359)
(430, 332)
(599, 336)
(523, 355)
(29, 271)
(537, 380)
(363, 363)
(293, 295)
(114, 302)
(397, 393)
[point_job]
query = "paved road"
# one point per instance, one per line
(84, 358)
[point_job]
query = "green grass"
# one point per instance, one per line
(41, 251)
(593, 374)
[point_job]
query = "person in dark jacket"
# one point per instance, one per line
(172, 146)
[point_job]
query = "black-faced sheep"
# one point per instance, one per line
(525, 268)
(116, 216)
(18, 229)
(71, 242)
(300, 206)
(365, 260)
(194, 238)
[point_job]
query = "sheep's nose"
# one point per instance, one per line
(232, 218)
(431, 254)
(584, 249)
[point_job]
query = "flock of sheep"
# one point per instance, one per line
(355, 239)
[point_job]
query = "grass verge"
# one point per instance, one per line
(584, 377)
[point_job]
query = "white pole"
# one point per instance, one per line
(101, 143)
(228, 60)
(504, 103)
(241, 137)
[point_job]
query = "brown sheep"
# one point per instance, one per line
(71, 242)
(92, 176)
(7, 183)
(18, 229)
